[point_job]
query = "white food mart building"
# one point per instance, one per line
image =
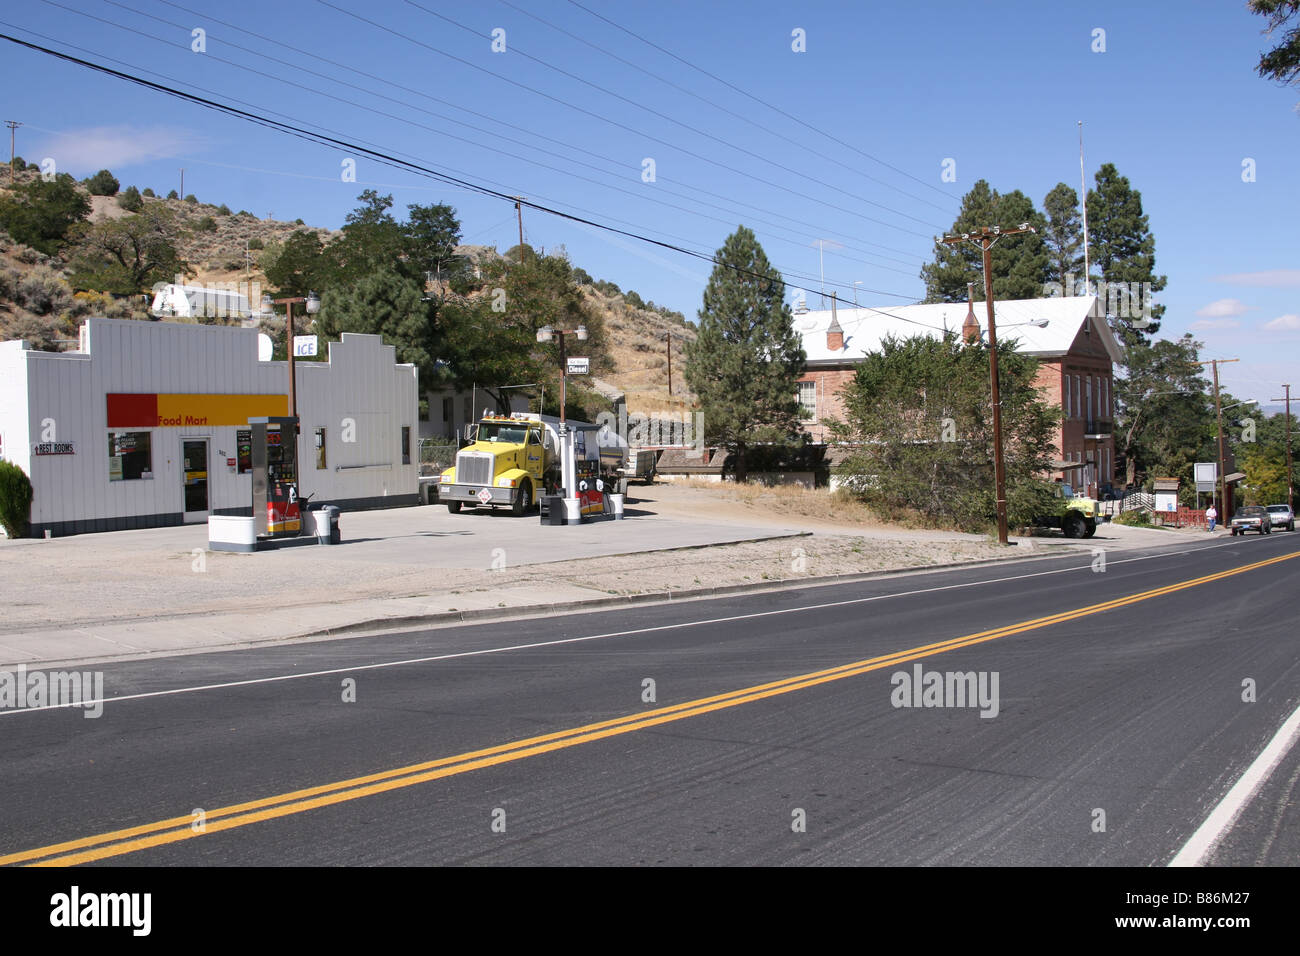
(105, 432)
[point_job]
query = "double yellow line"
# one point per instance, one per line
(176, 829)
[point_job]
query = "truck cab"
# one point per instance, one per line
(505, 466)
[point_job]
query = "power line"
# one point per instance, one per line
(703, 99)
(388, 159)
(668, 117)
(637, 195)
(606, 119)
(761, 102)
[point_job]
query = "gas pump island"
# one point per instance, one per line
(274, 460)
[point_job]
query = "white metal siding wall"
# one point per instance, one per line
(13, 405)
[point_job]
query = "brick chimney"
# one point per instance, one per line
(834, 334)
(970, 329)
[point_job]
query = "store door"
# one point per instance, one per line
(194, 474)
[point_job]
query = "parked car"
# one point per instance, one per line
(1281, 516)
(1251, 518)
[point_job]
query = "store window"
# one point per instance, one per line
(320, 449)
(406, 444)
(130, 456)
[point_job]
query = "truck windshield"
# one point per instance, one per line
(512, 434)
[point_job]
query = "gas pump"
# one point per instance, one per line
(274, 453)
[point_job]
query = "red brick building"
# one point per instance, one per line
(1077, 351)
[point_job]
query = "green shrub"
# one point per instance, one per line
(149, 192)
(1137, 517)
(191, 198)
(103, 183)
(130, 200)
(173, 195)
(255, 243)
(223, 210)
(15, 500)
(207, 224)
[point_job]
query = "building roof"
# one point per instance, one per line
(865, 328)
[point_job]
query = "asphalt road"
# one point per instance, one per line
(1118, 726)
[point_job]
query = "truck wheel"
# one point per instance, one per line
(453, 507)
(523, 501)
(1073, 526)
(1089, 528)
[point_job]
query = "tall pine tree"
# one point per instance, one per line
(745, 361)
(1063, 238)
(1124, 256)
(1020, 263)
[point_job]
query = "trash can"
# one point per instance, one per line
(554, 510)
(615, 506)
(327, 524)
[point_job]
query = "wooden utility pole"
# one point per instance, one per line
(1224, 517)
(985, 240)
(13, 125)
(519, 212)
(182, 182)
(1290, 489)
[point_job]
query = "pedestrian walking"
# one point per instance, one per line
(1210, 515)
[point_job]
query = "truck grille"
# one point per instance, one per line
(473, 468)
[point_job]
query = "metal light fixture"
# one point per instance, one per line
(313, 303)
(268, 304)
(545, 334)
(582, 333)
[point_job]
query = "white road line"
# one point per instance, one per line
(574, 640)
(1216, 826)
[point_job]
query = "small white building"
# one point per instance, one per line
(146, 424)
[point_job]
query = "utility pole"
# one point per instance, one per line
(182, 182)
(668, 338)
(1218, 415)
(1083, 203)
(985, 239)
(519, 211)
(1290, 489)
(13, 125)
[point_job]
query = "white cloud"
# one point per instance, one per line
(115, 147)
(1284, 323)
(1215, 324)
(1223, 308)
(1277, 277)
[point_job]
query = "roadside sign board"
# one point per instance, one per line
(304, 346)
(1206, 474)
(579, 366)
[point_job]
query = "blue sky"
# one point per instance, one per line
(853, 150)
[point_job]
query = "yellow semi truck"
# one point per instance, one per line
(514, 461)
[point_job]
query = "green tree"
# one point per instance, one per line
(745, 361)
(41, 214)
(131, 200)
(1063, 237)
(103, 183)
(1282, 62)
(918, 412)
(128, 255)
(389, 304)
(173, 195)
(15, 500)
(1124, 256)
(371, 239)
(298, 265)
(430, 236)
(149, 193)
(1164, 410)
(491, 335)
(1019, 263)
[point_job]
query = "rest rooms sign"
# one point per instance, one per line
(579, 366)
(55, 448)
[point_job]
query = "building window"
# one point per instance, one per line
(1090, 412)
(129, 456)
(320, 449)
(1078, 394)
(808, 401)
(406, 444)
(447, 413)
(244, 450)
